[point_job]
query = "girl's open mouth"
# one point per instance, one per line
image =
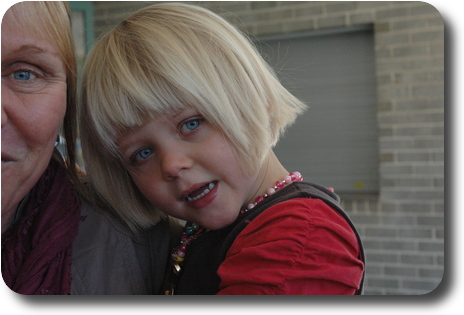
(200, 193)
(203, 196)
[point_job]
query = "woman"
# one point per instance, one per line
(53, 241)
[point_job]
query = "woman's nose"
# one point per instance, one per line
(4, 117)
(5, 101)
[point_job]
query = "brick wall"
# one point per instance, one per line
(402, 227)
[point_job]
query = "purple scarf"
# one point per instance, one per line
(37, 251)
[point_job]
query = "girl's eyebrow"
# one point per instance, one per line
(122, 148)
(176, 113)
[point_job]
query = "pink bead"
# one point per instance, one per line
(279, 185)
(287, 179)
(259, 199)
(181, 254)
(250, 206)
(296, 176)
(270, 191)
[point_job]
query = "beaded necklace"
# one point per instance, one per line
(292, 177)
(193, 231)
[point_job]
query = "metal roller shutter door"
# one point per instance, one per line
(335, 143)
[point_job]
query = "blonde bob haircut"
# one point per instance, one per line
(160, 60)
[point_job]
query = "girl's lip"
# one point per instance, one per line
(193, 188)
(204, 200)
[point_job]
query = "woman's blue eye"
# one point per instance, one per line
(144, 154)
(22, 75)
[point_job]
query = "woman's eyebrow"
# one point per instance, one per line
(29, 52)
(32, 53)
(34, 50)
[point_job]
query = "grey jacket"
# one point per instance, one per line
(108, 258)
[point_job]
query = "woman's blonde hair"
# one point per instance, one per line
(54, 20)
(165, 58)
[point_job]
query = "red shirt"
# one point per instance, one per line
(300, 246)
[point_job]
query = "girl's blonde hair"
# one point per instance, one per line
(165, 58)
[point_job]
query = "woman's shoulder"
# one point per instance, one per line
(103, 223)
(110, 258)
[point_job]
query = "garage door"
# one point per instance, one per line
(335, 143)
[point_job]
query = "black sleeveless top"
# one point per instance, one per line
(206, 253)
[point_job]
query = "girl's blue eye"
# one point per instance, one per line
(22, 75)
(190, 125)
(193, 124)
(144, 154)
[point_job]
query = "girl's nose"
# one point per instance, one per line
(174, 161)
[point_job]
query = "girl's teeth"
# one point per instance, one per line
(204, 193)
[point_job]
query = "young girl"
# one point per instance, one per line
(180, 115)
